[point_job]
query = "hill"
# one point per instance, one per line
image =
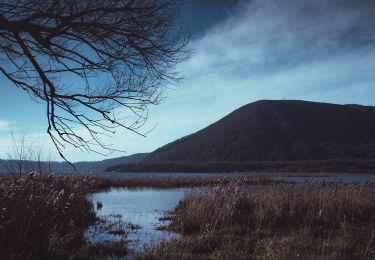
(277, 131)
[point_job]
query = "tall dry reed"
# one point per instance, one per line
(312, 221)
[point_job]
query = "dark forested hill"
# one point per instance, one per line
(279, 130)
(283, 132)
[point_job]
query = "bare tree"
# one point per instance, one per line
(24, 156)
(87, 59)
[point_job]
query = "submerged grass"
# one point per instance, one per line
(312, 221)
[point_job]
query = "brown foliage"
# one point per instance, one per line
(312, 221)
(42, 216)
(45, 216)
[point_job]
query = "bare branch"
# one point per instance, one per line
(89, 59)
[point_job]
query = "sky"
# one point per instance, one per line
(242, 51)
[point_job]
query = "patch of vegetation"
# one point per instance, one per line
(45, 216)
(313, 221)
(110, 224)
(109, 249)
(302, 166)
(97, 183)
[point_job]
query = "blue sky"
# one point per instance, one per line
(243, 51)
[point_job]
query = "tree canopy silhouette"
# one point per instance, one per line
(89, 59)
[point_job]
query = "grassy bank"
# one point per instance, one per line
(306, 166)
(314, 221)
(98, 183)
(44, 217)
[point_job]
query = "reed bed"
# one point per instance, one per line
(312, 221)
(44, 216)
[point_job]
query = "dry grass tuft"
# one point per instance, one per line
(42, 217)
(313, 221)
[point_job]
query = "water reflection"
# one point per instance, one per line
(140, 210)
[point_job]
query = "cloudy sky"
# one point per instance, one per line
(243, 51)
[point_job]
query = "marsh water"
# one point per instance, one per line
(141, 211)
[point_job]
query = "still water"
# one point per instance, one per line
(141, 210)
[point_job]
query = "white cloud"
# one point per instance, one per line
(312, 50)
(270, 49)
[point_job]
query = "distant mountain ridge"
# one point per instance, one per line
(88, 166)
(277, 130)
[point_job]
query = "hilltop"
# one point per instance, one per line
(277, 131)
